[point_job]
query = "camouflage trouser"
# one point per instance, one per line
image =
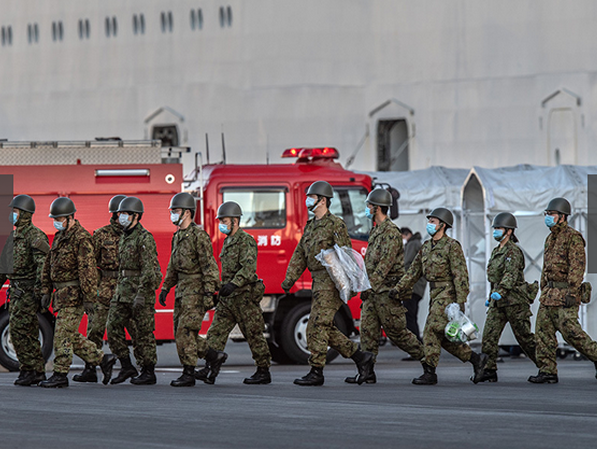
(381, 311)
(24, 331)
(67, 340)
(564, 320)
(96, 323)
(434, 337)
(140, 323)
(321, 330)
(243, 310)
(518, 315)
(188, 318)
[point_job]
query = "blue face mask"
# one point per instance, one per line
(14, 217)
(549, 221)
(431, 229)
(224, 229)
(498, 234)
(59, 225)
(368, 213)
(123, 219)
(310, 203)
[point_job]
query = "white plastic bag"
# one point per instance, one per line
(460, 329)
(346, 267)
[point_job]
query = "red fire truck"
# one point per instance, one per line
(271, 196)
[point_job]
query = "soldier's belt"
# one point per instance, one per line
(182, 276)
(129, 273)
(112, 274)
(23, 282)
(551, 284)
(437, 284)
(59, 285)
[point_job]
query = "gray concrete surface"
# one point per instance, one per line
(393, 413)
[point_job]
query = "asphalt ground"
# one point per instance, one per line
(393, 413)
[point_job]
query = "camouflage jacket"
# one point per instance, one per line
(318, 235)
(105, 242)
(138, 265)
(563, 263)
(505, 272)
(441, 261)
(384, 258)
(239, 261)
(30, 246)
(192, 253)
(71, 259)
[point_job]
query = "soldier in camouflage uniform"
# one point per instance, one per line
(321, 233)
(70, 277)
(105, 243)
(240, 295)
(133, 304)
(561, 290)
(509, 301)
(384, 261)
(442, 262)
(29, 252)
(194, 272)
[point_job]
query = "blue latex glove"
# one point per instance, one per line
(487, 303)
(496, 296)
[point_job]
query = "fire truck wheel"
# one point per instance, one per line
(293, 334)
(8, 356)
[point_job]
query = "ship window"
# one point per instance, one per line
(108, 27)
(142, 23)
(54, 31)
(170, 21)
(114, 26)
(87, 28)
(199, 19)
(3, 36)
(135, 24)
(222, 17)
(29, 33)
(193, 19)
(81, 31)
(229, 15)
(163, 21)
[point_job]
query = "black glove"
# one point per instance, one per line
(227, 289)
(570, 301)
(162, 299)
(365, 295)
(45, 301)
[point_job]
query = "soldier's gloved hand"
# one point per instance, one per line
(139, 301)
(45, 301)
(570, 301)
(286, 286)
(495, 296)
(487, 303)
(395, 293)
(162, 299)
(365, 295)
(227, 289)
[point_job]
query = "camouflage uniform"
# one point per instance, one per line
(442, 263)
(384, 261)
(562, 275)
(321, 331)
(105, 242)
(138, 278)
(71, 271)
(242, 306)
(30, 249)
(194, 271)
(505, 272)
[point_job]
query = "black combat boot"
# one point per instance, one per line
(313, 379)
(202, 374)
(544, 378)
(261, 377)
(365, 361)
(24, 378)
(187, 379)
(215, 360)
(147, 376)
(370, 380)
(489, 375)
(58, 380)
(428, 378)
(478, 361)
(106, 365)
(37, 378)
(127, 371)
(89, 374)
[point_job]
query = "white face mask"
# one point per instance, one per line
(60, 226)
(123, 219)
(175, 218)
(404, 242)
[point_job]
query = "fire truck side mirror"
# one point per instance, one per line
(394, 211)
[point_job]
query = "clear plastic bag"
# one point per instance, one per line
(460, 329)
(346, 267)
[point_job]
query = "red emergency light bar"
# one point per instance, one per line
(303, 153)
